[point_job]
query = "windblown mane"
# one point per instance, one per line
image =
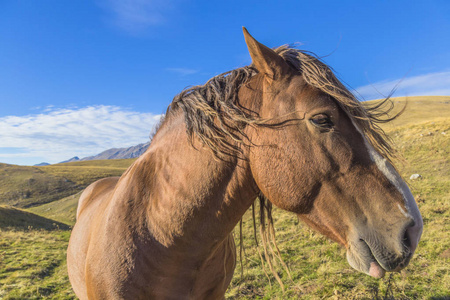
(212, 111)
(213, 114)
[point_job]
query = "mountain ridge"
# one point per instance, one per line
(114, 153)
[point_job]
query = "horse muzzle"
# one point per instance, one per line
(376, 255)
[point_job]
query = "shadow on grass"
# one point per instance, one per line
(392, 290)
(13, 218)
(389, 294)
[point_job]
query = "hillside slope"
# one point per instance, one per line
(418, 109)
(27, 186)
(11, 217)
(86, 172)
(63, 210)
(23, 186)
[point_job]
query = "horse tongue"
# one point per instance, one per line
(376, 270)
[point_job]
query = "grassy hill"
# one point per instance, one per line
(24, 187)
(63, 210)
(32, 262)
(28, 186)
(85, 172)
(419, 109)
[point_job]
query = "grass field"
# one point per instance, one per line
(32, 251)
(33, 264)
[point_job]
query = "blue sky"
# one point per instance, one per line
(79, 77)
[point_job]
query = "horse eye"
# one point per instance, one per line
(322, 121)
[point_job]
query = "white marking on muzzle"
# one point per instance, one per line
(392, 175)
(403, 211)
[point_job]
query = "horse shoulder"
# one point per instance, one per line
(91, 193)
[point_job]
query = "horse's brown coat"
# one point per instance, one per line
(162, 231)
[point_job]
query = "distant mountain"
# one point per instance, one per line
(42, 164)
(75, 158)
(115, 153)
(120, 153)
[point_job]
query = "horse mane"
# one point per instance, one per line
(212, 111)
(213, 114)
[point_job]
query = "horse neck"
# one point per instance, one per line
(194, 198)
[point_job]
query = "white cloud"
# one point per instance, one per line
(59, 134)
(431, 84)
(182, 71)
(135, 16)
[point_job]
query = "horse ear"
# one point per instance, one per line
(266, 61)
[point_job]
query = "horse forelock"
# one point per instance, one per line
(213, 114)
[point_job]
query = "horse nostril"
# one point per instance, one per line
(406, 241)
(410, 238)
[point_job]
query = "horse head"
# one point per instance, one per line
(322, 157)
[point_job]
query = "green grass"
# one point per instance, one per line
(33, 265)
(32, 262)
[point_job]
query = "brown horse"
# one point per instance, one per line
(284, 127)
